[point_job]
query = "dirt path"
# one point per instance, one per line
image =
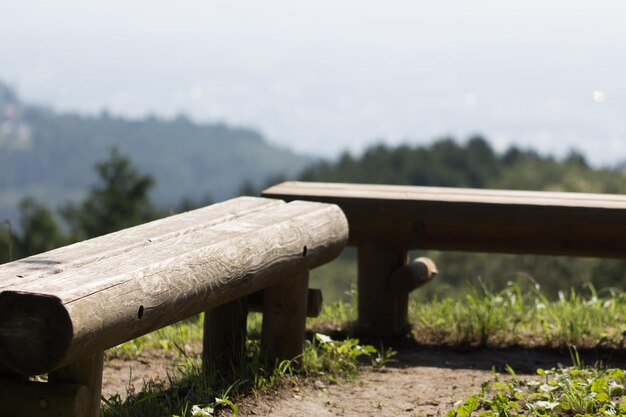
(422, 381)
(422, 391)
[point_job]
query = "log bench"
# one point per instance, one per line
(387, 221)
(61, 309)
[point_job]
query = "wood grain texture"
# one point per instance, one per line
(41, 399)
(543, 223)
(76, 256)
(113, 297)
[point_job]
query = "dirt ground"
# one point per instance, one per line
(421, 381)
(121, 375)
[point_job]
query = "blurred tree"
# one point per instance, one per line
(40, 231)
(187, 204)
(7, 242)
(120, 200)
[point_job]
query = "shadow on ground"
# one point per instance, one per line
(522, 359)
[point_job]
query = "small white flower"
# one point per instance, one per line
(197, 411)
(322, 338)
(548, 388)
(615, 387)
(545, 405)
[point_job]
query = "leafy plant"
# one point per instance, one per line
(566, 391)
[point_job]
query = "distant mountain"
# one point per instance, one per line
(50, 156)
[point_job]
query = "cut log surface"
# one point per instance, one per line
(413, 275)
(93, 295)
(479, 220)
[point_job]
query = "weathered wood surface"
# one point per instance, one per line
(74, 257)
(55, 309)
(543, 223)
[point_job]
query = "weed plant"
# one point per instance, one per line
(564, 391)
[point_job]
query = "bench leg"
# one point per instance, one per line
(284, 318)
(8, 374)
(21, 398)
(86, 372)
(382, 313)
(224, 344)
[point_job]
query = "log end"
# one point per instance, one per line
(35, 332)
(413, 275)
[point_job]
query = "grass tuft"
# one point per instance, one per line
(509, 317)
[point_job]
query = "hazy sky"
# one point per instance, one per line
(325, 76)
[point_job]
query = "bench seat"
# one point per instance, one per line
(475, 220)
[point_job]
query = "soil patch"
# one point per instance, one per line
(122, 375)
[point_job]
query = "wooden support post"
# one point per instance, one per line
(224, 344)
(284, 318)
(9, 374)
(382, 312)
(314, 302)
(87, 372)
(42, 399)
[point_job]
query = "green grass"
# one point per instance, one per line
(509, 316)
(480, 317)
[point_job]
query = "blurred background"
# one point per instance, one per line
(135, 110)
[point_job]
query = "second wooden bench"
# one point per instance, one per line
(387, 221)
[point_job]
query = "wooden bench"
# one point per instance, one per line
(60, 310)
(387, 221)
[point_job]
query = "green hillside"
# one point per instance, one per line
(50, 156)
